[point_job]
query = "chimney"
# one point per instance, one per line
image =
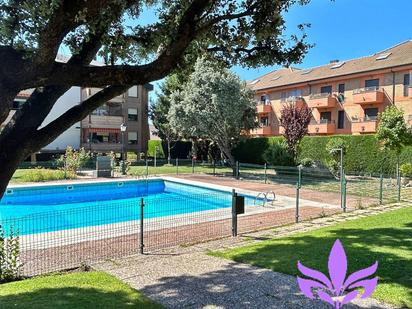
(334, 61)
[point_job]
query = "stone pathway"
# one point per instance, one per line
(186, 277)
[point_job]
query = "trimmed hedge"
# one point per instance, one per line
(151, 148)
(363, 153)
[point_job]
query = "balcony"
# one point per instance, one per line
(263, 108)
(262, 131)
(102, 147)
(97, 121)
(299, 102)
(93, 91)
(368, 95)
(324, 126)
(364, 125)
(322, 100)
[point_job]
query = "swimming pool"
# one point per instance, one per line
(39, 209)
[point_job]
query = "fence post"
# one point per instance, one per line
(298, 186)
(177, 166)
(214, 167)
(147, 168)
(344, 193)
(234, 216)
(398, 176)
(381, 189)
(141, 246)
(193, 166)
(266, 175)
(237, 170)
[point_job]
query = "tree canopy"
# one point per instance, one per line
(214, 104)
(32, 32)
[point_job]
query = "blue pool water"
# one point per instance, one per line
(51, 208)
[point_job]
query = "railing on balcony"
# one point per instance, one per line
(365, 125)
(291, 99)
(323, 126)
(368, 95)
(322, 100)
(365, 90)
(319, 95)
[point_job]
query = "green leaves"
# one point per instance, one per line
(393, 133)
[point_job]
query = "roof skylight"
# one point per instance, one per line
(383, 56)
(306, 72)
(254, 82)
(337, 65)
(275, 78)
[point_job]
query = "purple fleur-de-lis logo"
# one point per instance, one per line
(338, 289)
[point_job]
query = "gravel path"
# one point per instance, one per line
(186, 277)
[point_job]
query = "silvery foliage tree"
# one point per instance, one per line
(214, 104)
(245, 32)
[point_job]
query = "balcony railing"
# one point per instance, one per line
(323, 126)
(365, 125)
(368, 95)
(264, 108)
(322, 100)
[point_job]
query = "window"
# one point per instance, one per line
(326, 89)
(341, 119)
(132, 92)
(337, 65)
(372, 84)
(325, 117)
(371, 113)
(132, 114)
(283, 97)
(132, 138)
(341, 88)
(383, 56)
(406, 82)
(265, 99)
(264, 121)
(275, 78)
(306, 72)
(88, 91)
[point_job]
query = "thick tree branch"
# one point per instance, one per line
(51, 131)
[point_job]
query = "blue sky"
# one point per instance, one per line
(340, 29)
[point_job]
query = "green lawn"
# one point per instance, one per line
(172, 170)
(75, 290)
(386, 237)
(40, 174)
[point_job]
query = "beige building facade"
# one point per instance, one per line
(345, 97)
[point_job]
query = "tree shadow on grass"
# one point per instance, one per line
(389, 246)
(74, 298)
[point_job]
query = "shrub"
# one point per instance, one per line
(151, 148)
(406, 170)
(9, 255)
(72, 160)
(278, 154)
(251, 150)
(332, 147)
(42, 174)
(307, 162)
(363, 152)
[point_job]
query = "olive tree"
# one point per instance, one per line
(249, 32)
(214, 104)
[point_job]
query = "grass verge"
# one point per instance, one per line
(386, 238)
(74, 290)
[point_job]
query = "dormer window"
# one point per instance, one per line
(265, 99)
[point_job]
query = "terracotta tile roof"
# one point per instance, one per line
(397, 55)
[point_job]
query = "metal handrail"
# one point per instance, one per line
(365, 119)
(320, 95)
(366, 89)
(322, 121)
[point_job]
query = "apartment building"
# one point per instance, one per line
(345, 96)
(100, 132)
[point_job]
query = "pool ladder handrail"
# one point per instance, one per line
(265, 195)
